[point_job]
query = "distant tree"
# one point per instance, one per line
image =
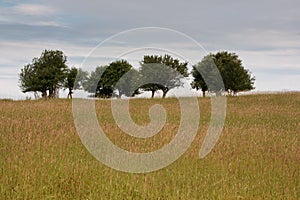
(30, 80)
(103, 81)
(94, 83)
(70, 81)
(81, 79)
(75, 79)
(114, 73)
(235, 77)
(46, 73)
(162, 73)
(128, 85)
(206, 76)
(150, 74)
(198, 82)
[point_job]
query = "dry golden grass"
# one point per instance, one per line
(256, 157)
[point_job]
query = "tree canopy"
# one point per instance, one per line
(235, 77)
(120, 78)
(162, 73)
(103, 81)
(74, 80)
(128, 85)
(46, 73)
(218, 72)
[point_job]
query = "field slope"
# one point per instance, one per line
(256, 157)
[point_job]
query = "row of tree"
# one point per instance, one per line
(49, 73)
(120, 78)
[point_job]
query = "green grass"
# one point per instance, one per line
(256, 157)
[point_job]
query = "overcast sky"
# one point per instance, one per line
(264, 33)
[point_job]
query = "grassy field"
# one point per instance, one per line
(256, 157)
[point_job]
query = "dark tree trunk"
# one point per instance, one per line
(51, 93)
(70, 94)
(153, 91)
(44, 94)
(165, 91)
(36, 95)
(203, 93)
(164, 94)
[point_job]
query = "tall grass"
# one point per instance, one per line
(256, 157)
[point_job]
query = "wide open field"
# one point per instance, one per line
(256, 157)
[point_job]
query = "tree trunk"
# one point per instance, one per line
(36, 95)
(51, 93)
(203, 93)
(70, 94)
(165, 91)
(44, 94)
(164, 94)
(153, 91)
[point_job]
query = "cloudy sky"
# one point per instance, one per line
(264, 33)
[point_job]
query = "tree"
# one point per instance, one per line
(128, 85)
(151, 76)
(30, 80)
(104, 80)
(46, 73)
(235, 77)
(70, 80)
(114, 73)
(94, 83)
(75, 79)
(162, 73)
(206, 76)
(81, 79)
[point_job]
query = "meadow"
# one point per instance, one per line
(256, 157)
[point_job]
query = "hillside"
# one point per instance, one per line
(257, 155)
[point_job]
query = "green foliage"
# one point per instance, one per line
(150, 74)
(70, 80)
(49, 72)
(103, 81)
(208, 69)
(81, 78)
(75, 79)
(235, 77)
(162, 73)
(94, 84)
(128, 85)
(30, 79)
(46, 73)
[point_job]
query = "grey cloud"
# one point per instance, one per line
(264, 32)
(25, 32)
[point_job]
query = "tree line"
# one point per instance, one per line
(49, 73)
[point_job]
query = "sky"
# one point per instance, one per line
(264, 33)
